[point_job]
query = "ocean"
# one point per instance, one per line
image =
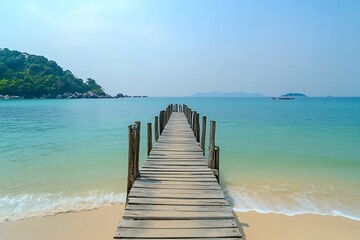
(291, 157)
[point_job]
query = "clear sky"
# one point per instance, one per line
(176, 48)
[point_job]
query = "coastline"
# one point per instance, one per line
(101, 224)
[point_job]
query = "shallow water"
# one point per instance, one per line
(291, 157)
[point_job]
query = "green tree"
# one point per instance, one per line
(31, 76)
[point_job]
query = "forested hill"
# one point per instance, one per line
(30, 76)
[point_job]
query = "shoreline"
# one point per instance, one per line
(101, 224)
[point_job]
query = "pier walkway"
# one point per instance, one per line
(177, 195)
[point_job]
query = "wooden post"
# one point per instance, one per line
(161, 121)
(203, 134)
(197, 128)
(190, 116)
(217, 163)
(193, 121)
(211, 160)
(149, 138)
(137, 143)
(156, 128)
(132, 171)
(165, 117)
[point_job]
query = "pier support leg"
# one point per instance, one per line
(203, 134)
(133, 156)
(149, 138)
(156, 128)
(211, 157)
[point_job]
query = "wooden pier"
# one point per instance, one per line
(176, 194)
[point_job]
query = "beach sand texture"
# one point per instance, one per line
(101, 224)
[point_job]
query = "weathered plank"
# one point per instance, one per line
(179, 163)
(175, 186)
(181, 196)
(176, 175)
(175, 191)
(173, 179)
(175, 208)
(178, 170)
(179, 233)
(180, 224)
(184, 202)
(172, 167)
(176, 215)
(162, 182)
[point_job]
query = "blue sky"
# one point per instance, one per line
(176, 48)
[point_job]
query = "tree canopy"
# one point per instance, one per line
(31, 76)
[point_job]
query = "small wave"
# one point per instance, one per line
(23, 206)
(294, 200)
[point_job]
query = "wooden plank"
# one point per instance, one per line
(177, 170)
(180, 224)
(159, 182)
(183, 163)
(176, 186)
(179, 233)
(176, 175)
(155, 194)
(224, 238)
(175, 208)
(168, 215)
(184, 202)
(177, 159)
(173, 167)
(170, 146)
(194, 179)
(175, 191)
(169, 153)
(176, 156)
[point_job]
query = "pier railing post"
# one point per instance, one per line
(162, 121)
(137, 149)
(193, 121)
(197, 127)
(149, 138)
(203, 134)
(211, 157)
(190, 116)
(217, 163)
(156, 128)
(133, 153)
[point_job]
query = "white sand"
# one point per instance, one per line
(101, 224)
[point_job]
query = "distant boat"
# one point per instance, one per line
(282, 98)
(286, 98)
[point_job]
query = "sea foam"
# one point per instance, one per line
(285, 200)
(23, 206)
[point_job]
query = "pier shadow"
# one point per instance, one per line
(240, 224)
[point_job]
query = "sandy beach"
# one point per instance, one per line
(101, 224)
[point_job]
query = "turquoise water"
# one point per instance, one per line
(290, 157)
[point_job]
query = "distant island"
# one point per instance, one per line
(294, 95)
(228, 94)
(24, 75)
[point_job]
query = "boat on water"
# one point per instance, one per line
(282, 98)
(286, 98)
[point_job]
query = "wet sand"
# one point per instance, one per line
(101, 224)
